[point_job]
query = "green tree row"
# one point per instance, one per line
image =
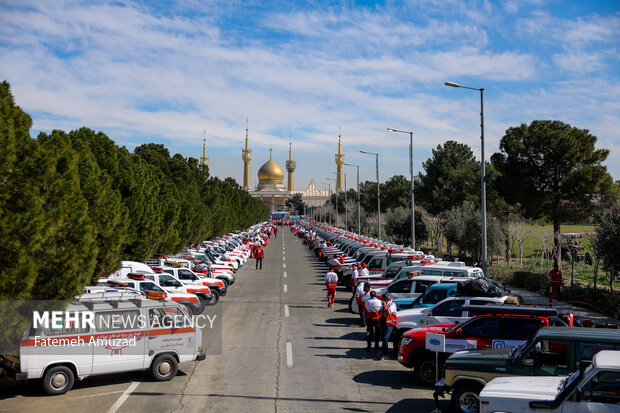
(72, 205)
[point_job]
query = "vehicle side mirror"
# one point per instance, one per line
(459, 333)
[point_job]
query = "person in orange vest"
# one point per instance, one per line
(259, 254)
(388, 321)
(374, 309)
(331, 280)
(555, 282)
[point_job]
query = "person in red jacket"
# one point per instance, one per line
(331, 280)
(259, 254)
(555, 282)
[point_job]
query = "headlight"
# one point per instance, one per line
(405, 341)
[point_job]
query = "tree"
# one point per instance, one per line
(451, 177)
(397, 224)
(554, 171)
(607, 243)
(463, 228)
(296, 204)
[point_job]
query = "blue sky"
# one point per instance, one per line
(164, 72)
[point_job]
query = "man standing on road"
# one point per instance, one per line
(374, 309)
(354, 276)
(331, 280)
(388, 321)
(259, 254)
(555, 282)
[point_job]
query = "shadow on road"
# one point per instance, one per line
(357, 336)
(418, 405)
(402, 379)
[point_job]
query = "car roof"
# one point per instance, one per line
(589, 333)
(607, 359)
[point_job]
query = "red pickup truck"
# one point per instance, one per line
(495, 327)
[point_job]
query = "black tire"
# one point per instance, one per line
(200, 307)
(224, 280)
(164, 367)
(58, 380)
(465, 397)
(424, 369)
(214, 300)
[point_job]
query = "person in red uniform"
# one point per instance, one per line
(341, 259)
(259, 254)
(374, 309)
(555, 282)
(331, 280)
(275, 232)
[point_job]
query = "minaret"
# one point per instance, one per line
(246, 155)
(339, 163)
(290, 167)
(204, 160)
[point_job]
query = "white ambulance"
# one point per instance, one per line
(127, 332)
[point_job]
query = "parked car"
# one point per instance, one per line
(595, 389)
(555, 351)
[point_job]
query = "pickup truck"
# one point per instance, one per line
(506, 326)
(554, 351)
(593, 389)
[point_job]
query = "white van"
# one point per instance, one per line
(126, 333)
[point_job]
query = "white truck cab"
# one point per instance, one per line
(592, 390)
(127, 333)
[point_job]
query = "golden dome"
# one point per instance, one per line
(270, 173)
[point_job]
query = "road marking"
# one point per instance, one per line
(283, 257)
(98, 394)
(284, 274)
(286, 313)
(283, 265)
(285, 288)
(123, 397)
(289, 354)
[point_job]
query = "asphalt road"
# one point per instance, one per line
(282, 350)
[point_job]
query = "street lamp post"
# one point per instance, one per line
(330, 198)
(483, 196)
(412, 187)
(346, 209)
(329, 194)
(378, 191)
(359, 219)
(346, 223)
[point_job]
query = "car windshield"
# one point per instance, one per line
(517, 349)
(434, 296)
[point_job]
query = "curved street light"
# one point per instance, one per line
(483, 196)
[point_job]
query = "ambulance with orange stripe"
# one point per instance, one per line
(103, 333)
